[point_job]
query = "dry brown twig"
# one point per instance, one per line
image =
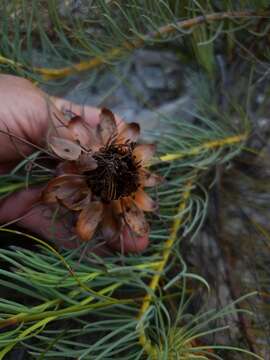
(52, 73)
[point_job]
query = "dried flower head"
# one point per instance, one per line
(102, 177)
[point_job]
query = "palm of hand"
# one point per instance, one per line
(26, 113)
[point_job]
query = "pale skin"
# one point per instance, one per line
(28, 113)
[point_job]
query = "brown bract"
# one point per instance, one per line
(102, 176)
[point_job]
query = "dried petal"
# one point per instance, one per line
(88, 220)
(64, 148)
(134, 217)
(86, 163)
(76, 200)
(83, 133)
(66, 167)
(110, 224)
(144, 202)
(149, 179)
(116, 207)
(107, 128)
(144, 152)
(61, 186)
(128, 132)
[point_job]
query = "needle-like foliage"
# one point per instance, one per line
(61, 305)
(99, 301)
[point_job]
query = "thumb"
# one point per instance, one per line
(17, 204)
(40, 220)
(23, 208)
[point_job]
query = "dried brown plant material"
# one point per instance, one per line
(102, 177)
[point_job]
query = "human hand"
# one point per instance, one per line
(26, 113)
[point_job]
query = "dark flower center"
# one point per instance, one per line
(116, 174)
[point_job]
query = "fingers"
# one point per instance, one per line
(39, 220)
(22, 206)
(28, 114)
(24, 209)
(17, 204)
(60, 232)
(7, 167)
(129, 243)
(23, 115)
(88, 113)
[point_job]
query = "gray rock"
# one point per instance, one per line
(148, 88)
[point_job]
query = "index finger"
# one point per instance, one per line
(89, 113)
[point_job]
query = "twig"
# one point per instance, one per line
(148, 347)
(52, 73)
(206, 146)
(24, 141)
(144, 341)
